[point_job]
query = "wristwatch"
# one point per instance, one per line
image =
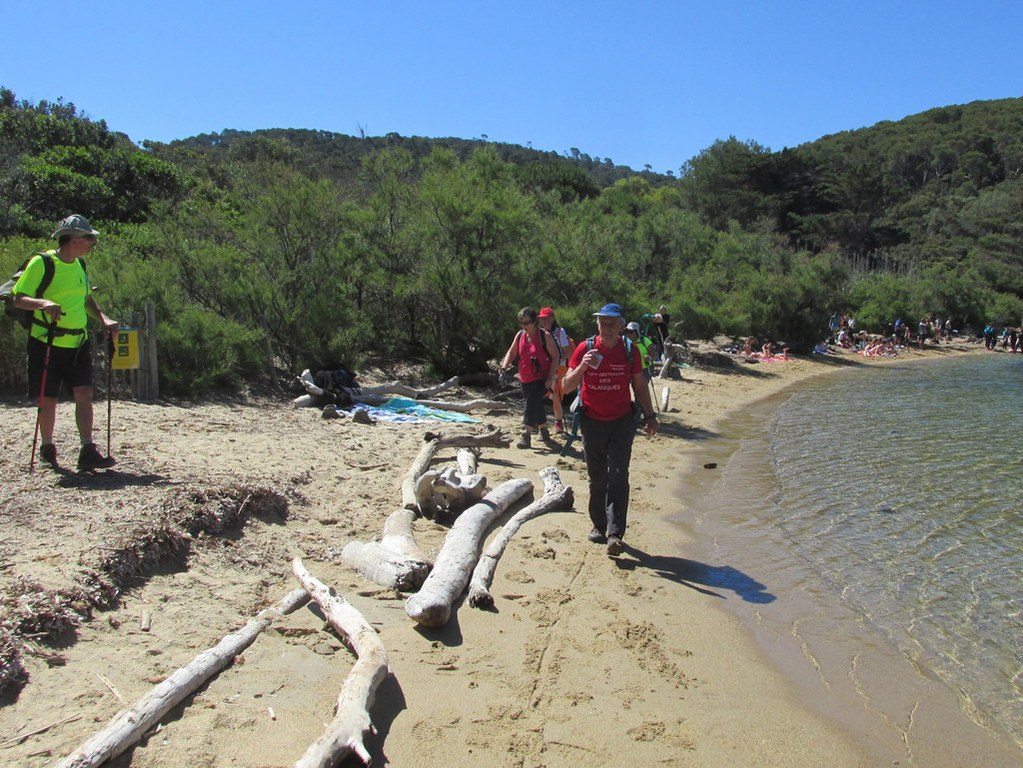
(649, 417)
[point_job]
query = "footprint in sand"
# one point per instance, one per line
(647, 731)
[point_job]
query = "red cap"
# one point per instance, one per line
(546, 312)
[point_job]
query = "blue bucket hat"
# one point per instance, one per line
(610, 310)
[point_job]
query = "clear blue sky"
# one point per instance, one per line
(637, 82)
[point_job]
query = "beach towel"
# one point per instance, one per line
(402, 410)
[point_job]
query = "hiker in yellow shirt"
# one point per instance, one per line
(59, 349)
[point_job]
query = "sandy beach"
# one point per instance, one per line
(585, 660)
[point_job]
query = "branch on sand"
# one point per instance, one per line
(351, 721)
(556, 495)
(129, 725)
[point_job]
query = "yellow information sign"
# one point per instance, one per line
(126, 350)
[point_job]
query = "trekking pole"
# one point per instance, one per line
(110, 374)
(50, 331)
(653, 395)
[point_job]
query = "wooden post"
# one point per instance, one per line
(152, 373)
(135, 374)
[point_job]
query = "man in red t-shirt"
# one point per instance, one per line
(606, 373)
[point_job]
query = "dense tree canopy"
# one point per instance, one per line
(282, 249)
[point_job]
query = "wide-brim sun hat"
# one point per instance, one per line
(610, 310)
(76, 225)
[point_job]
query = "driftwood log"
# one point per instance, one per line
(381, 394)
(129, 725)
(666, 369)
(433, 443)
(351, 721)
(447, 491)
(403, 390)
(670, 355)
(396, 561)
(468, 460)
(431, 605)
(556, 495)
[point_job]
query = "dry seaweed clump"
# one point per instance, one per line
(11, 670)
(206, 510)
(193, 512)
(29, 611)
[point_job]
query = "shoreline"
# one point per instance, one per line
(584, 658)
(849, 673)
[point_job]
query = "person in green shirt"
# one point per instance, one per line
(60, 320)
(645, 346)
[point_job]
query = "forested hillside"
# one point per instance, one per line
(284, 249)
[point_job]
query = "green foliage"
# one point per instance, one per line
(51, 188)
(880, 299)
(475, 227)
(752, 284)
(54, 161)
(200, 352)
(569, 182)
(13, 376)
(279, 250)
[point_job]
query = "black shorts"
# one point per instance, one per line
(68, 367)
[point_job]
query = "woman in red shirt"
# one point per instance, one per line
(537, 354)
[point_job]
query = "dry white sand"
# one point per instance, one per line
(586, 660)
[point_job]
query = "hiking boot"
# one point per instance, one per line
(525, 441)
(559, 427)
(596, 536)
(48, 453)
(90, 458)
(545, 434)
(614, 546)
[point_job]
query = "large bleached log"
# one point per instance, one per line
(398, 537)
(434, 442)
(665, 396)
(351, 721)
(556, 495)
(384, 566)
(129, 725)
(431, 605)
(396, 561)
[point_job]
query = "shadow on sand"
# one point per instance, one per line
(711, 580)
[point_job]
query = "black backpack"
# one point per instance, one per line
(26, 317)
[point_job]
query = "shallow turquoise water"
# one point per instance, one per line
(882, 510)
